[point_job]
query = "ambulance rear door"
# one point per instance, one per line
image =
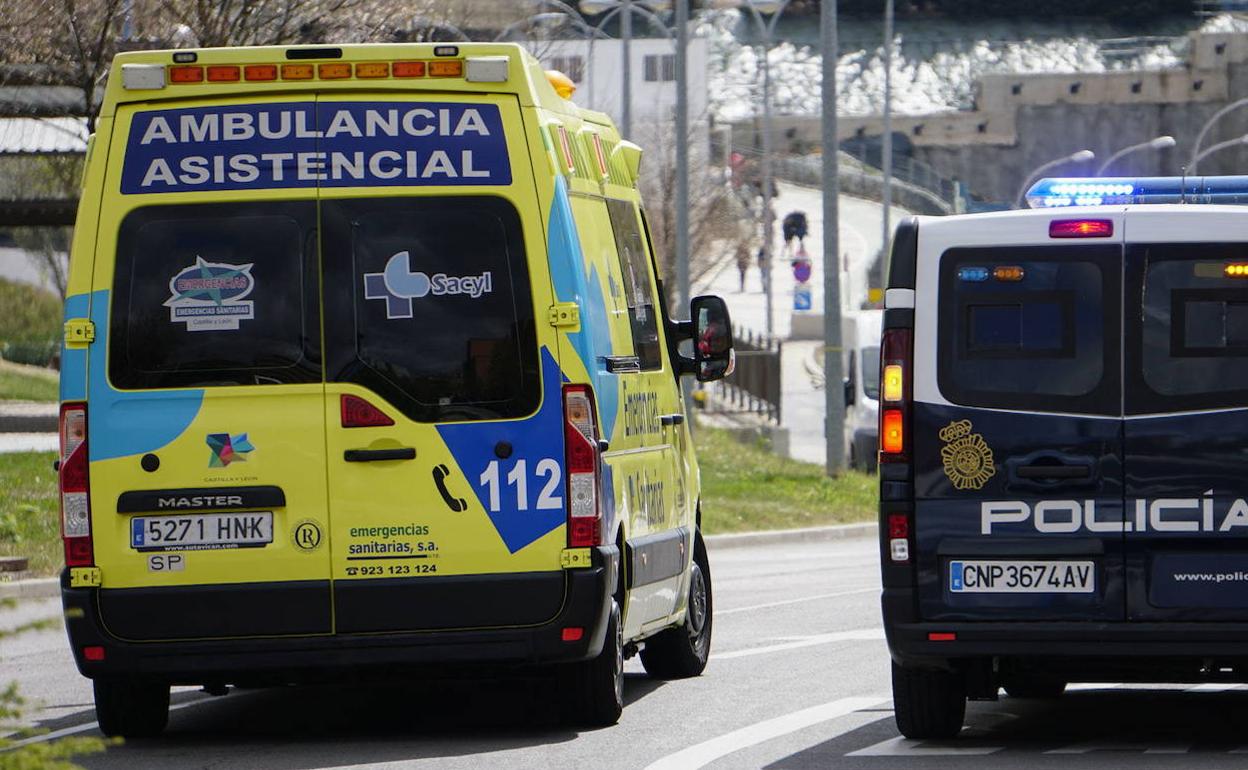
(206, 405)
(444, 410)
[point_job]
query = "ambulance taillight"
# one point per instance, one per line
(75, 488)
(581, 462)
(895, 384)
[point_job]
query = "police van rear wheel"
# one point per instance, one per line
(682, 652)
(928, 703)
(592, 692)
(131, 709)
(1035, 687)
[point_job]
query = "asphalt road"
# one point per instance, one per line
(798, 679)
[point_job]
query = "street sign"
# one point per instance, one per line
(801, 270)
(801, 297)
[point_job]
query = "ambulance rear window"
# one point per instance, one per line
(1030, 328)
(428, 304)
(215, 294)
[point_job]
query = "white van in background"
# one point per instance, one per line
(860, 346)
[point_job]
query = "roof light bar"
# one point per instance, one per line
(1098, 191)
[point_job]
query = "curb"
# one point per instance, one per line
(23, 417)
(39, 588)
(784, 536)
(45, 588)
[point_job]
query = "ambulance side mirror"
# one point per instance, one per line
(711, 330)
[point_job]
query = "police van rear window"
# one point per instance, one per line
(1188, 334)
(215, 294)
(1031, 328)
(428, 303)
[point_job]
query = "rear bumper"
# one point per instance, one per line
(587, 601)
(910, 644)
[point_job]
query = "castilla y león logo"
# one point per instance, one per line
(966, 456)
(228, 449)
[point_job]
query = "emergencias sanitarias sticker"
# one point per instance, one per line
(211, 296)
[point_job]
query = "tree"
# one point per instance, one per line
(715, 211)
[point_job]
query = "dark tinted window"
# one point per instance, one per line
(871, 372)
(638, 282)
(1047, 341)
(215, 294)
(1189, 336)
(428, 304)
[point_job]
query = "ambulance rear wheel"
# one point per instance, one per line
(1035, 687)
(928, 703)
(682, 652)
(131, 709)
(592, 692)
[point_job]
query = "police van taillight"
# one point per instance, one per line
(581, 462)
(895, 384)
(75, 487)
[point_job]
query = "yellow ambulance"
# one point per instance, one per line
(366, 368)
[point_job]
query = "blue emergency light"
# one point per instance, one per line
(1110, 191)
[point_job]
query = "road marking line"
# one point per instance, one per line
(1144, 748)
(904, 747)
(64, 731)
(1214, 687)
(816, 597)
(857, 635)
(708, 751)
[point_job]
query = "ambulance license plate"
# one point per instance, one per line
(201, 532)
(1022, 577)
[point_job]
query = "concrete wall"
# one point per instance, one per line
(1021, 121)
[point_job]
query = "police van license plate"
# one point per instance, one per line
(201, 532)
(1031, 577)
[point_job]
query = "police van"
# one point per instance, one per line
(1064, 415)
(366, 368)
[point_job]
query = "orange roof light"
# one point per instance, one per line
(297, 71)
(1008, 273)
(409, 69)
(186, 74)
(260, 72)
(1236, 270)
(562, 84)
(372, 69)
(451, 68)
(222, 73)
(335, 71)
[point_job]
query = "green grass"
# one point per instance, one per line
(30, 325)
(746, 488)
(27, 383)
(29, 511)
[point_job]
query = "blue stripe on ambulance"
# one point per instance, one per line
(123, 423)
(533, 439)
(567, 273)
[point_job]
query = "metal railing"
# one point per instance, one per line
(905, 168)
(754, 386)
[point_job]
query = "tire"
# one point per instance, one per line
(928, 703)
(682, 652)
(592, 691)
(131, 709)
(1035, 687)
